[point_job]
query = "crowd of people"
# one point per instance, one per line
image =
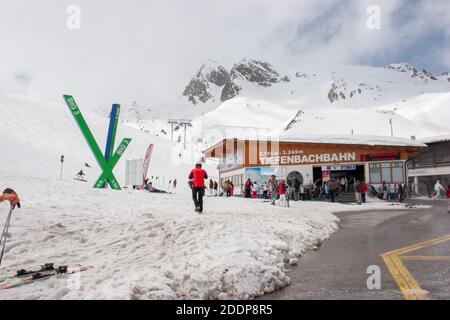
(280, 192)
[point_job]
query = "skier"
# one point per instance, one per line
(282, 191)
(438, 188)
(231, 188)
(80, 175)
(174, 183)
(198, 176)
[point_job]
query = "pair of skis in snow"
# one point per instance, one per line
(46, 271)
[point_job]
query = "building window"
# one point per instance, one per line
(390, 172)
(375, 174)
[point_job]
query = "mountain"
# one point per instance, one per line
(310, 86)
(412, 72)
(209, 79)
(214, 80)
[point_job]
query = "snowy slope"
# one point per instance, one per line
(150, 246)
(35, 134)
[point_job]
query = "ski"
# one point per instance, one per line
(61, 270)
(25, 273)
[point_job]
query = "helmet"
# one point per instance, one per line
(198, 165)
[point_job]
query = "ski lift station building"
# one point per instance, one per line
(372, 159)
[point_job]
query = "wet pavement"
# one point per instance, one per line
(338, 270)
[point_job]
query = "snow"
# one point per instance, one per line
(35, 134)
(349, 139)
(436, 139)
(150, 246)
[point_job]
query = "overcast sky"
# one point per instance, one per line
(148, 50)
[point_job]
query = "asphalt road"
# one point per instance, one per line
(338, 270)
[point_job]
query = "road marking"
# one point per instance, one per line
(406, 282)
(431, 258)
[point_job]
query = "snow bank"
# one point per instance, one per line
(149, 246)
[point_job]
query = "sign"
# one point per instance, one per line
(429, 172)
(133, 172)
(326, 176)
(308, 159)
(339, 167)
(380, 157)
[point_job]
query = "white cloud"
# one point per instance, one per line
(147, 51)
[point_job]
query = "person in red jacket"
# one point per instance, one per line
(282, 191)
(197, 179)
(363, 192)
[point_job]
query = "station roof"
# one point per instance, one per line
(436, 139)
(335, 139)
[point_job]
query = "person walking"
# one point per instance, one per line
(326, 190)
(231, 189)
(216, 189)
(400, 193)
(265, 191)
(248, 188)
(448, 198)
(332, 189)
(438, 188)
(363, 192)
(255, 191)
(358, 192)
(198, 177)
(282, 191)
(297, 185)
(211, 187)
(343, 184)
(225, 188)
(384, 188)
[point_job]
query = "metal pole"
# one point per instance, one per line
(392, 128)
(5, 233)
(185, 128)
(62, 163)
(171, 137)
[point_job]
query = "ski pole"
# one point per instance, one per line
(5, 232)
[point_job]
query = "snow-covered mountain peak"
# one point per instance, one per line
(215, 80)
(412, 71)
(203, 86)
